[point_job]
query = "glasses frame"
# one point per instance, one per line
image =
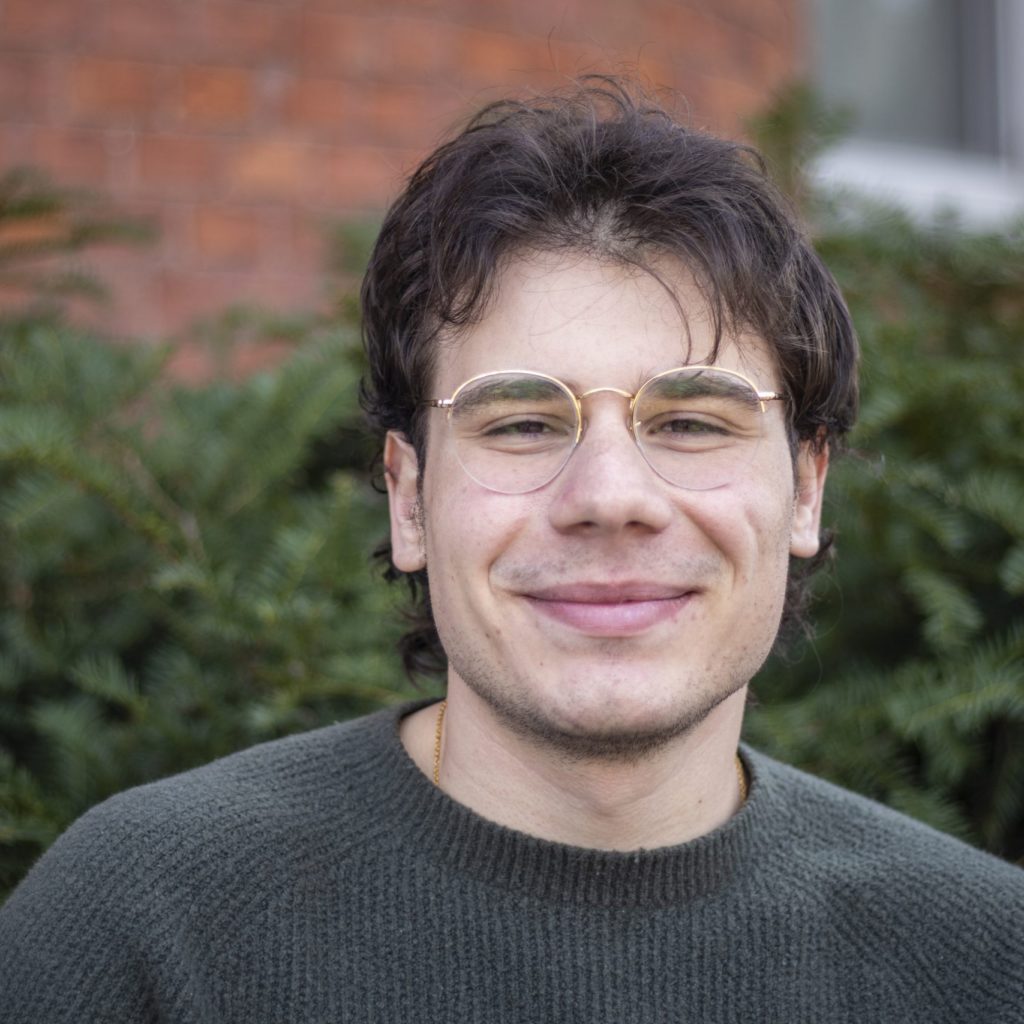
(447, 404)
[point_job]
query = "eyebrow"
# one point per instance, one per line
(574, 385)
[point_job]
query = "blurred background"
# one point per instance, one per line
(239, 126)
(188, 189)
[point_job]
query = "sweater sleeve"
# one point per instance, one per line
(70, 948)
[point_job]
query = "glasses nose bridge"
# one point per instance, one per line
(630, 399)
(614, 391)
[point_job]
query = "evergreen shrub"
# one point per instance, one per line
(184, 571)
(912, 689)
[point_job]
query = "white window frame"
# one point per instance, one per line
(985, 192)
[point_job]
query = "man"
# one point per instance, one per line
(609, 371)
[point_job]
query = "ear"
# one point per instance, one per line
(811, 470)
(401, 471)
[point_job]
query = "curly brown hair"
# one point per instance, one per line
(604, 171)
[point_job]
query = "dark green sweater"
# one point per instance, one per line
(323, 878)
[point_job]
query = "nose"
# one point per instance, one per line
(607, 486)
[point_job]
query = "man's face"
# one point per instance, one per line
(609, 610)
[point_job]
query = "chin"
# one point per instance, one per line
(620, 727)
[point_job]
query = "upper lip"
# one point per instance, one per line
(609, 593)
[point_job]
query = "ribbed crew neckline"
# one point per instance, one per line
(404, 800)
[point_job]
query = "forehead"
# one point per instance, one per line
(595, 323)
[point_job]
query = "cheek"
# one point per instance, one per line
(468, 529)
(467, 535)
(749, 524)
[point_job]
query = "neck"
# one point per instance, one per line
(684, 789)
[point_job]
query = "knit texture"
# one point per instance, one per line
(323, 878)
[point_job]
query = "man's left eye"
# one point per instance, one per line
(687, 425)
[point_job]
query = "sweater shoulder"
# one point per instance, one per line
(291, 777)
(853, 844)
(907, 906)
(257, 812)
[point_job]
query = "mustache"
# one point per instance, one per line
(683, 573)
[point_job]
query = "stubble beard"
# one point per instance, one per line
(527, 720)
(506, 698)
(705, 687)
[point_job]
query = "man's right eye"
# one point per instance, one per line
(525, 429)
(522, 427)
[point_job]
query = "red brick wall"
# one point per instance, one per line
(243, 126)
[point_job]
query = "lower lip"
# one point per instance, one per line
(622, 618)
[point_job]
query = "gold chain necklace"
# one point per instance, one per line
(741, 772)
(438, 727)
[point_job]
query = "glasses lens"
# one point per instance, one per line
(513, 432)
(698, 429)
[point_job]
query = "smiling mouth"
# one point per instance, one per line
(610, 611)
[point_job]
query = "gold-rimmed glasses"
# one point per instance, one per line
(697, 427)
